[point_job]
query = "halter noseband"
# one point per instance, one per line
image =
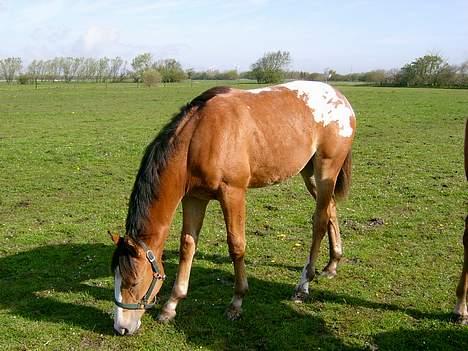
(144, 303)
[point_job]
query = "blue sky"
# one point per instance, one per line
(347, 35)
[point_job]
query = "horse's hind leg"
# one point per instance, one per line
(325, 182)
(233, 206)
(193, 214)
(461, 311)
(334, 241)
(333, 229)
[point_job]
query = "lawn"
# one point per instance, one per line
(68, 157)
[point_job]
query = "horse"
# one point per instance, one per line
(220, 144)
(460, 310)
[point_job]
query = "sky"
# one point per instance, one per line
(347, 35)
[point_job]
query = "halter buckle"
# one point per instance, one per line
(150, 256)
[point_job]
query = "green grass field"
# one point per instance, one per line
(68, 158)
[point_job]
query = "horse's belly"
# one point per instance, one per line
(278, 167)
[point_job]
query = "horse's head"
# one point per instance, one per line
(138, 278)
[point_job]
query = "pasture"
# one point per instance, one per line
(68, 158)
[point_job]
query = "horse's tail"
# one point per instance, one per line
(343, 181)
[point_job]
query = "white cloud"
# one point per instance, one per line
(97, 37)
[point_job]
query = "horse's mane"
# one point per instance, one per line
(154, 161)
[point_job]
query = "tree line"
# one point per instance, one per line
(430, 70)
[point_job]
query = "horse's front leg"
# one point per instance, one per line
(233, 205)
(193, 214)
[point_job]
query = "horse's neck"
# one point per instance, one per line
(170, 193)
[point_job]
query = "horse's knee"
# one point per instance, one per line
(236, 248)
(187, 241)
(187, 245)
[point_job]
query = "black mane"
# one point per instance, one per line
(156, 156)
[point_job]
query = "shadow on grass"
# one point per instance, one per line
(49, 284)
(33, 283)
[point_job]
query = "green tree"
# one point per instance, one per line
(270, 68)
(171, 70)
(140, 64)
(376, 76)
(462, 74)
(429, 70)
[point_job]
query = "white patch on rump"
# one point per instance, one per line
(324, 102)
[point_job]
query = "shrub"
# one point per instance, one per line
(151, 77)
(24, 79)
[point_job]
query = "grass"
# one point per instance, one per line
(68, 158)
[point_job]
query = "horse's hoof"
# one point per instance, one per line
(166, 316)
(233, 313)
(460, 319)
(300, 296)
(328, 274)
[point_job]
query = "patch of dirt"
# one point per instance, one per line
(267, 229)
(375, 222)
(23, 204)
(349, 223)
(271, 207)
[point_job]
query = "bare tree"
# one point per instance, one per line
(34, 69)
(102, 73)
(10, 67)
(117, 69)
(88, 69)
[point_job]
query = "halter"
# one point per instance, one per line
(144, 303)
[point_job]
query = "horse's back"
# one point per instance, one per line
(263, 136)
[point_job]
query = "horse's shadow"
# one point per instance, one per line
(47, 284)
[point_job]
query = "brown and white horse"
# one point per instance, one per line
(461, 311)
(219, 145)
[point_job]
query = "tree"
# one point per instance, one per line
(102, 72)
(462, 74)
(270, 68)
(35, 69)
(171, 70)
(140, 64)
(117, 69)
(52, 70)
(88, 69)
(70, 66)
(231, 74)
(151, 77)
(429, 70)
(376, 76)
(10, 67)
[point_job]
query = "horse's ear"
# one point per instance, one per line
(114, 237)
(131, 246)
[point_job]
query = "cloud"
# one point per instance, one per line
(96, 37)
(97, 40)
